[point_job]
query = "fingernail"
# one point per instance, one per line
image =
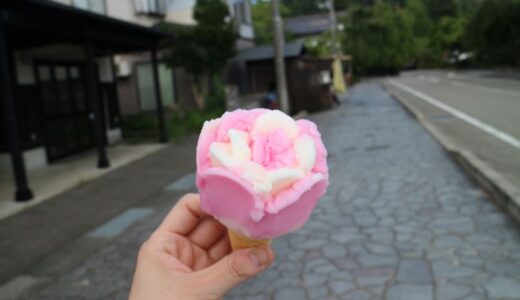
(260, 256)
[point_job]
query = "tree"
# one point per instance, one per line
(319, 46)
(262, 21)
(447, 33)
(379, 37)
(441, 8)
(303, 7)
(494, 32)
(422, 26)
(204, 49)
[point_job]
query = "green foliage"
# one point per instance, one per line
(217, 98)
(144, 126)
(467, 8)
(181, 124)
(377, 33)
(494, 32)
(319, 46)
(302, 7)
(143, 121)
(422, 25)
(379, 37)
(206, 47)
(263, 21)
(441, 8)
(448, 32)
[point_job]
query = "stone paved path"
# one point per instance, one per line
(400, 221)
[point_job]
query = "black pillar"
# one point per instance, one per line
(116, 90)
(158, 98)
(23, 192)
(93, 96)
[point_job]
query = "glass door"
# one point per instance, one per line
(68, 128)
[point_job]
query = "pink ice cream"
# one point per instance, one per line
(259, 172)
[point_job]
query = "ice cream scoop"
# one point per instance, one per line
(260, 173)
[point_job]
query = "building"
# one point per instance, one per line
(72, 68)
(181, 12)
(308, 78)
(59, 93)
(308, 25)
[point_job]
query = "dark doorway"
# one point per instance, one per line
(66, 113)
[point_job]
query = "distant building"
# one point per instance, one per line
(308, 25)
(308, 78)
(181, 12)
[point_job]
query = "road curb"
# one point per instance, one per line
(500, 190)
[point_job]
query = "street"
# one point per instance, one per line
(495, 101)
(475, 113)
(400, 221)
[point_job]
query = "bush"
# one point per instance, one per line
(216, 100)
(142, 126)
(181, 124)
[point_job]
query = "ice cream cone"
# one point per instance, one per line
(239, 241)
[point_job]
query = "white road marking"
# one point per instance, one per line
(477, 123)
(433, 79)
(485, 89)
(430, 78)
(453, 75)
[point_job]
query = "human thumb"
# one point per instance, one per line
(233, 269)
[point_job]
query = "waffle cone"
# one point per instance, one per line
(239, 241)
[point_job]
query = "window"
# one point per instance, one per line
(97, 6)
(146, 87)
(150, 7)
(242, 12)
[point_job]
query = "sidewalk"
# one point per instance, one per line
(31, 235)
(52, 180)
(400, 221)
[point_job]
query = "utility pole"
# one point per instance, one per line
(279, 49)
(333, 27)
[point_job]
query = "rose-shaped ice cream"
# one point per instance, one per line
(259, 172)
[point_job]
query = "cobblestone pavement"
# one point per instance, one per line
(400, 221)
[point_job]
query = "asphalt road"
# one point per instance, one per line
(495, 101)
(477, 111)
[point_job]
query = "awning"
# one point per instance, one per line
(291, 50)
(33, 23)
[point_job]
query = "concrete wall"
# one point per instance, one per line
(124, 10)
(181, 11)
(34, 159)
(114, 136)
(66, 2)
(244, 30)
(105, 69)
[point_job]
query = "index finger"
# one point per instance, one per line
(184, 216)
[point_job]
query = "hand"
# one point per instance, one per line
(189, 257)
